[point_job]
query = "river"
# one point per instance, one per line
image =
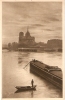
(14, 74)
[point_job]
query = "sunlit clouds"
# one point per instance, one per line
(44, 20)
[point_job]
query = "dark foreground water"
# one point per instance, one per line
(14, 74)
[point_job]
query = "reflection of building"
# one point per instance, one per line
(26, 40)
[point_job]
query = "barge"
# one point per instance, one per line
(50, 73)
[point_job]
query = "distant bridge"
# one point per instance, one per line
(28, 49)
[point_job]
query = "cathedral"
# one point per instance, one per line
(26, 40)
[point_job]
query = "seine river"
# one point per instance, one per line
(14, 74)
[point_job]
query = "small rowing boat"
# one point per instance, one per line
(25, 88)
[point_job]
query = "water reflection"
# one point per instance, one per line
(21, 56)
(18, 91)
(15, 75)
(31, 91)
(32, 94)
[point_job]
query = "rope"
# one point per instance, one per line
(26, 65)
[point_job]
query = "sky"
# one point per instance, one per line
(43, 19)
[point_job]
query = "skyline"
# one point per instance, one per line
(44, 20)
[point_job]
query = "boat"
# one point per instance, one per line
(25, 88)
(52, 74)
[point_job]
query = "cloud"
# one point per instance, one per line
(43, 18)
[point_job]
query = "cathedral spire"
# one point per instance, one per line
(27, 33)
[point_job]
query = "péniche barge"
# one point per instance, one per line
(50, 73)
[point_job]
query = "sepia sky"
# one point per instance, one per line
(44, 20)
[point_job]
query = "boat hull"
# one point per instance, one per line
(25, 88)
(53, 78)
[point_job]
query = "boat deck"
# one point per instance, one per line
(57, 73)
(41, 65)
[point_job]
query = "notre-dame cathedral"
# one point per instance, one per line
(26, 40)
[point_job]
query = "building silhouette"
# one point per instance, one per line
(26, 40)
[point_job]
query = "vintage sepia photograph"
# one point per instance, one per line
(32, 50)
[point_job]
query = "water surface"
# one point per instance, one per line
(14, 74)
